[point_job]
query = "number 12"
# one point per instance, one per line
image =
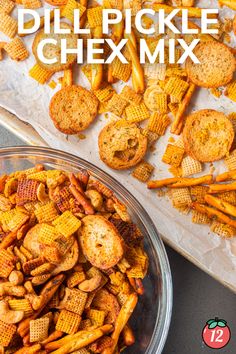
(216, 336)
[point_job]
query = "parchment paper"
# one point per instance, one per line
(22, 96)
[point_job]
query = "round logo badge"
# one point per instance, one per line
(216, 333)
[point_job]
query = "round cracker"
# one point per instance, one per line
(73, 109)
(31, 240)
(51, 51)
(150, 97)
(208, 135)
(121, 145)
(217, 65)
(100, 241)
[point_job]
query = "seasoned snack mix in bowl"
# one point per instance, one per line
(82, 267)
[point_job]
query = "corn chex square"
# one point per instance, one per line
(39, 329)
(7, 332)
(190, 166)
(70, 7)
(230, 161)
(229, 197)
(8, 25)
(13, 219)
(155, 71)
(158, 123)
(137, 113)
(76, 301)
(46, 213)
(143, 171)
(21, 305)
(116, 105)
(16, 50)
(32, 4)
(121, 71)
(67, 224)
(7, 263)
(223, 230)
(94, 16)
(6, 6)
(68, 322)
(198, 193)
(41, 75)
(200, 218)
(173, 155)
(180, 197)
(47, 234)
(176, 87)
(131, 96)
(26, 191)
(105, 93)
(97, 317)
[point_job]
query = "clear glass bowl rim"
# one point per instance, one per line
(162, 325)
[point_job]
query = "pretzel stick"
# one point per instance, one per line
(8, 240)
(2, 45)
(48, 291)
(193, 25)
(110, 77)
(128, 335)
(83, 177)
(3, 179)
(26, 340)
(29, 24)
(229, 3)
(97, 69)
(177, 182)
(52, 337)
(139, 286)
(219, 188)
(188, 3)
(122, 319)
(29, 350)
(137, 70)
(76, 183)
(188, 182)
(118, 31)
(67, 79)
(192, 11)
(182, 108)
(68, 338)
(226, 176)
(117, 35)
(83, 339)
(180, 127)
(220, 204)
(162, 182)
(211, 213)
(84, 16)
(82, 200)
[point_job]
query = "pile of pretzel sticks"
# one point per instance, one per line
(212, 201)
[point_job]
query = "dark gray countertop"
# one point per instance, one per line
(197, 298)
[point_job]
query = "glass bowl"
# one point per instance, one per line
(152, 315)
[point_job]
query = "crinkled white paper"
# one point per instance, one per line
(29, 101)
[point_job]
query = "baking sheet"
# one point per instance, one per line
(29, 101)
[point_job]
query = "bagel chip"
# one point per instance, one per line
(100, 242)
